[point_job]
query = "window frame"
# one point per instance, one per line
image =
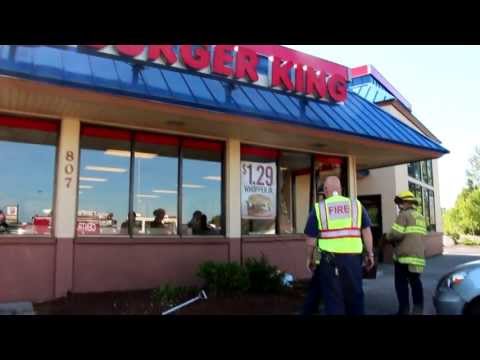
(27, 123)
(430, 191)
(344, 179)
(132, 148)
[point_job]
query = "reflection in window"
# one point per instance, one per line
(104, 183)
(426, 207)
(294, 188)
(28, 158)
(430, 172)
(417, 191)
(156, 182)
(201, 187)
(431, 200)
(411, 170)
(326, 166)
(426, 204)
(425, 179)
(414, 170)
(257, 208)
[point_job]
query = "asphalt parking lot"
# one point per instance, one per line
(380, 296)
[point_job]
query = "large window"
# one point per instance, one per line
(27, 155)
(156, 184)
(259, 171)
(202, 187)
(414, 170)
(326, 166)
(294, 191)
(431, 204)
(278, 189)
(143, 184)
(103, 196)
(426, 203)
(422, 172)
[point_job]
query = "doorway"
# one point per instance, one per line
(373, 205)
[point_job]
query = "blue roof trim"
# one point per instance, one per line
(69, 67)
(370, 89)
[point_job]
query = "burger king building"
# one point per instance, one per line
(126, 166)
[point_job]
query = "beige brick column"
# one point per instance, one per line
(232, 198)
(66, 203)
(352, 176)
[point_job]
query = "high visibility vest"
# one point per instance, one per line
(339, 222)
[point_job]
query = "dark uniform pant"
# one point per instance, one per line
(338, 280)
(403, 278)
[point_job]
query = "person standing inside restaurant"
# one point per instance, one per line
(407, 237)
(4, 228)
(335, 229)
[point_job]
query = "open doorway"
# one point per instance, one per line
(373, 205)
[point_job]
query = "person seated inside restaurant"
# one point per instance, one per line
(157, 226)
(204, 228)
(194, 224)
(4, 228)
(124, 227)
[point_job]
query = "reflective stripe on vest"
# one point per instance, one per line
(415, 229)
(410, 260)
(339, 224)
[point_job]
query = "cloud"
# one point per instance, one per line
(94, 179)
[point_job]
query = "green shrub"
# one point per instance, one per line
(224, 279)
(264, 277)
(170, 295)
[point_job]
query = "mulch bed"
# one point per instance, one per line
(140, 303)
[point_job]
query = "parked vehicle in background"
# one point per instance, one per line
(458, 292)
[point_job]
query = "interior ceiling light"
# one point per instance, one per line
(124, 153)
(193, 186)
(94, 179)
(165, 191)
(105, 169)
(214, 178)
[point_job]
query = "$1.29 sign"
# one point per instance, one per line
(259, 189)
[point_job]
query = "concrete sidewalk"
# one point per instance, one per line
(380, 298)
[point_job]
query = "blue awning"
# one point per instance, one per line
(370, 89)
(70, 67)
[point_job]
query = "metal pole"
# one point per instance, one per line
(202, 295)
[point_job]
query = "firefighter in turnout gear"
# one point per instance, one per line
(334, 230)
(407, 238)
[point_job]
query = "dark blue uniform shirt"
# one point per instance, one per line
(311, 229)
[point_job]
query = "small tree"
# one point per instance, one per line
(464, 218)
(473, 173)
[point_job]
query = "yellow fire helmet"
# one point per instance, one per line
(406, 196)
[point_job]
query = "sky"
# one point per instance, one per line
(440, 82)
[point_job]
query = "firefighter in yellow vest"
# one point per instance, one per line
(407, 238)
(335, 229)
